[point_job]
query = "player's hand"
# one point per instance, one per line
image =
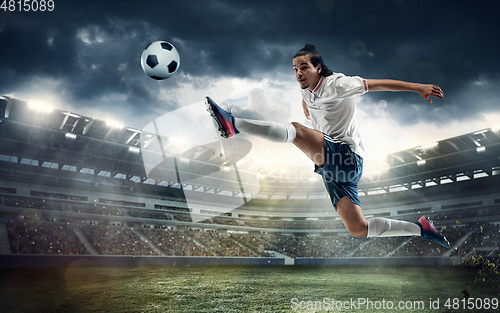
(427, 91)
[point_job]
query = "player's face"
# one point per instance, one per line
(306, 74)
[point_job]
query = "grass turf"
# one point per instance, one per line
(228, 289)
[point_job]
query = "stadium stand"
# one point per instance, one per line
(70, 184)
(34, 237)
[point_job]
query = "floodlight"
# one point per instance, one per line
(70, 136)
(114, 124)
(428, 146)
(421, 162)
(134, 150)
(40, 107)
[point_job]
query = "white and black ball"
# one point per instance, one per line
(160, 60)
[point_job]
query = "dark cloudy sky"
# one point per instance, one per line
(85, 57)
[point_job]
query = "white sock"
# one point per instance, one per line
(275, 132)
(383, 227)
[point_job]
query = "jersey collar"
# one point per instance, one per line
(315, 90)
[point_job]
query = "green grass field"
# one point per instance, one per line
(233, 288)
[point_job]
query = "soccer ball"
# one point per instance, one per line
(160, 60)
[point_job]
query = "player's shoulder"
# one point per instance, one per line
(336, 74)
(333, 78)
(339, 78)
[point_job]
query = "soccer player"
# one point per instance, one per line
(334, 145)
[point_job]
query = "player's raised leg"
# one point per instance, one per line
(306, 139)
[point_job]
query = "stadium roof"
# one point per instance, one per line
(468, 156)
(36, 131)
(47, 137)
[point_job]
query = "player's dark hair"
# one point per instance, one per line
(315, 58)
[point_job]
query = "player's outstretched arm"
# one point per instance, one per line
(425, 90)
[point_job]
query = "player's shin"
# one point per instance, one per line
(275, 132)
(383, 227)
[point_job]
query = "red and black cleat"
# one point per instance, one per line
(430, 232)
(224, 119)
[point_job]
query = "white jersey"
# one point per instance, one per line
(332, 106)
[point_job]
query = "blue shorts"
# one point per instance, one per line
(341, 172)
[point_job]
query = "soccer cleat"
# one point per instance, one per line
(224, 119)
(430, 232)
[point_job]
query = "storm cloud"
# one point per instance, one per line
(87, 54)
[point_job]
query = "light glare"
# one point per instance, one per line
(428, 146)
(114, 124)
(134, 150)
(70, 136)
(40, 107)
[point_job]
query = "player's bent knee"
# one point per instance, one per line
(358, 232)
(299, 128)
(358, 229)
(308, 136)
(352, 217)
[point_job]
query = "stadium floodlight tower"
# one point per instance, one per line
(184, 147)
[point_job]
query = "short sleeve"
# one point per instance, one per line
(349, 86)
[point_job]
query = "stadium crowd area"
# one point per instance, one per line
(33, 236)
(116, 240)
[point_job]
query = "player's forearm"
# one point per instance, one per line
(425, 90)
(391, 85)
